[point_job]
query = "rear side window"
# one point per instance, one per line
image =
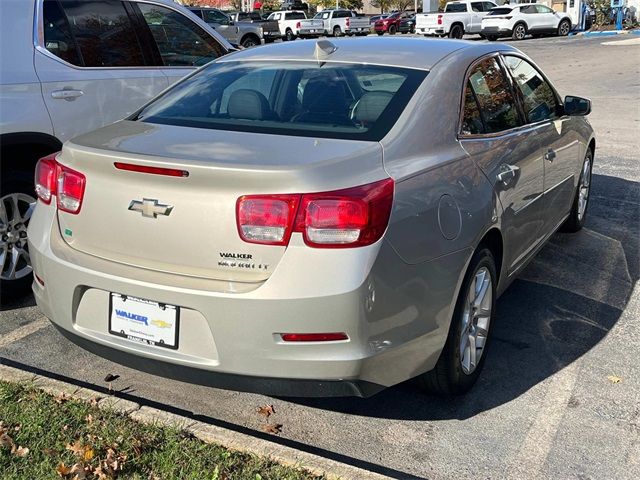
(57, 34)
(346, 101)
(500, 11)
(540, 102)
(455, 7)
(493, 93)
(104, 33)
(477, 6)
(180, 41)
(295, 16)
(471, 118)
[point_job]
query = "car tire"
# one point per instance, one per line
(492, 38)
(380, 33)
(456, 372)
(16, 189)
(392, 30)
(456, 32)
(564, 28)
(289, 36)
(519, 31)
(337, 32)
(250, 41)
(578, 212)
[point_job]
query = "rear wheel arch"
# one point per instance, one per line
(592, 146)
(250, 36)
(20, 151)
(494, 242)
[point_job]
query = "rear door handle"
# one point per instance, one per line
(550, 155)
(66, 94)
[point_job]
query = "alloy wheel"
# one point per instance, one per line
(583, 188)
(15, 213)
(520, 32)
(564, 29)
(476, 318)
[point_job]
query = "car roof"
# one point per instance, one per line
(417, 53)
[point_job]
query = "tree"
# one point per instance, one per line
(383, 5)
(348, 4)
(403, 5)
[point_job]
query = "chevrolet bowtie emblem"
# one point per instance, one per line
(150, 208)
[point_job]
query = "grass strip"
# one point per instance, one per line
(52, 437)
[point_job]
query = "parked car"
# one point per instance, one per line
(78, 69)
(375, 18)
(516, 21)
(390, 24)
(242, 33)
(408, 25)
(270, 29)
(337, 23)
(459, 17)
(289, 22)
(194, 240)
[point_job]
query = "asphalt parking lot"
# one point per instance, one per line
(559, 396)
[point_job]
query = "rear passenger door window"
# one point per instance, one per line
(57, 34)
(539, 99)
(180, 41)
(104, 33)
(493, 93)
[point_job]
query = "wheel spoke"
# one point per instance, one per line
(472, 352)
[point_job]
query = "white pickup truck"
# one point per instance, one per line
(289, 22)
(459, 17)
(336, 22)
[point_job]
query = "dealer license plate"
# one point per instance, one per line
(144, 321)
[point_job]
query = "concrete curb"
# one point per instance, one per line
(604, 33)
(229, 439)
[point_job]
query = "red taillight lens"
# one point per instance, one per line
(171, 172)
(314, 337)
(347, 22)
(298, 25)
(352, 217)
(53, 179)
(266, 219)
(46, 177)
(439, 19)
(70, 189)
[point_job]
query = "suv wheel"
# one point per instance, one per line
(392, 30)
(456, 32)
(519, 32)
(337, 32)
(289, 36)
(564, 28)
(16, 206)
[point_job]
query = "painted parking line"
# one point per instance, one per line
(25, 330)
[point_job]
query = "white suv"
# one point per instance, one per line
(517, 21)
(67, 67)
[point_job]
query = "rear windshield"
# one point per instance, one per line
(331, 100)
(323, 15)
(499, 11)
(456, 7)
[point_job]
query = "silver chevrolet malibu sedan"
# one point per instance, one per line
(312, 218)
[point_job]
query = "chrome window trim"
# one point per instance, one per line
(38, 41)
(500, 54)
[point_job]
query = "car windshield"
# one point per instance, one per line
(330, 100)
(455, 7)
(499, 11)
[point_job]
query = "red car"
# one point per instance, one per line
(390, 24)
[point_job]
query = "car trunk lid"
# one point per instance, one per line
(187, 224)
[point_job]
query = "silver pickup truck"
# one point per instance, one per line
(335, 23)
(270, 28)
(237, 33)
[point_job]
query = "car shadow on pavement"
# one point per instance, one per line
(21, 302)
(562, 305)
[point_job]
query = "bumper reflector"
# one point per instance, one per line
(314, 337)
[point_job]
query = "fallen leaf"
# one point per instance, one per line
(266, 410)
(614, 379)
(79, 471)
(93, 402)
(98, 472)
(89, 419)
(20, 451)
(111, 377)
(274, 428)
(65, 427)
(49, 451)
(88, 454)
(6, 440)
(63, 470)
(61, 398)
(76, 447)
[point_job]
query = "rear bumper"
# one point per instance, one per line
(497, 31)
(430, 30)
(311, 32)
(230, 340)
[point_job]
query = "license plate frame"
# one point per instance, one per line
(138, 314)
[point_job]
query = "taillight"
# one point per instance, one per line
(266, 219)
(53, 179)
(352, 217)
(314, 337)
(347, 22)
(70, 189)
(298, 25)
(45, 180)
(439, 19)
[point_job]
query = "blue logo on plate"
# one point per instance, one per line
(132, 316)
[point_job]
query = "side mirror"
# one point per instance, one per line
(576, 106)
